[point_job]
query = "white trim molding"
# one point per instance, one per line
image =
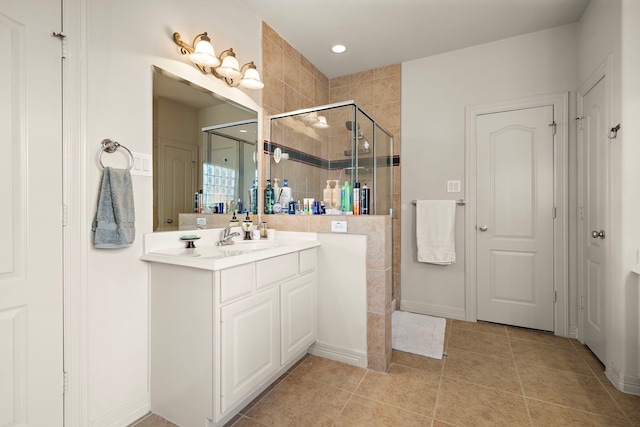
(432, 309)
(338, 354)
(560, 103)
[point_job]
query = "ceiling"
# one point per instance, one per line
(382, 32)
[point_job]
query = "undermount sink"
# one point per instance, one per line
(223, 251)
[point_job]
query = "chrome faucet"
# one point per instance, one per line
(227, 237)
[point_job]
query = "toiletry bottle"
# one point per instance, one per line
(247, 226)
(254, 198)
(292, 207)
(233, 222)
(285, 198)
(336, 198)
(356, 198)
(277, 194)
(239, 206)
(365, 195)
(195, 202)
(200, 200)
(268, 198)
(327, 194)
(346, 197)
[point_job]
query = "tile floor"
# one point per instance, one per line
(493, 375)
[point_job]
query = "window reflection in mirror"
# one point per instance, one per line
(200, 141)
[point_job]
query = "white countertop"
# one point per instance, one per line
(167, 248)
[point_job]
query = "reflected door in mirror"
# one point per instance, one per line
(179, 179)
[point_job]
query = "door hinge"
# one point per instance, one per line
(554, 212)
(555, 296)
(581, 301)
(553, 125)
(581, 212)
(579, 120)
(64, 215)
(65, 382)
(63, 41)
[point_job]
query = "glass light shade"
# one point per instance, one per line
(321, 123)
(204, 55)
(229, 68)
(251, 79)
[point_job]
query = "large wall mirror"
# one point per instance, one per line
(201, 141)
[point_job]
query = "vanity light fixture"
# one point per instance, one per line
(225, 66)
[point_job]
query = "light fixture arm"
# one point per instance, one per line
(186, 49)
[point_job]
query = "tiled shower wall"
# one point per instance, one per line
(293, 83)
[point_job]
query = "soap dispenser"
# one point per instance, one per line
(247, 225)
(337, 195)
(234, 221)
(327, 194)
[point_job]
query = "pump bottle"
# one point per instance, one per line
(268, 198)
(346, 197)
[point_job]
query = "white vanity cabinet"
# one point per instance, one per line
(220, 337)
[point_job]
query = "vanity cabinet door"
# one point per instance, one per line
(249, 345)
(299, 318)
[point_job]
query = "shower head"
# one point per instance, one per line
(350, 124)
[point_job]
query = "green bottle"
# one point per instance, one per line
(346, 197)
(268, 198)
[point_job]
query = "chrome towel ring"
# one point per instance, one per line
(110, 147)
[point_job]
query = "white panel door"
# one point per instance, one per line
(178, 183)
(515, 218)
(594, 160)
(31, 214)
(250, 337)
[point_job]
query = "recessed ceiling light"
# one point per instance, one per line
(243, 130)
(339, 48)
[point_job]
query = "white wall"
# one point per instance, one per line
(114, 45)
(435, 92)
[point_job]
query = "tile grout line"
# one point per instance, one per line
(615, 401)
(515, 364)
(445, 350)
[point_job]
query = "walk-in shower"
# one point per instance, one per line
(332, 142)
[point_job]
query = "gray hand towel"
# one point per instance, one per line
(113, 225)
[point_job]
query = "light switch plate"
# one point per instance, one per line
(141, 164)
(453, 186)
(339, 226)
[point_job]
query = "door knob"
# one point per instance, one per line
(595, 234)
(483, 228)
(169, 221)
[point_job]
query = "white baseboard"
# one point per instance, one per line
(625, 383)
(125, 414)
(433, 309)
(573, 332)
(339, 354)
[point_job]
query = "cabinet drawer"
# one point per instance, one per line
(308, 260)
(237, 281)
(274, 270)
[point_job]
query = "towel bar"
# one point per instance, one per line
(110, 147)
(459, 202)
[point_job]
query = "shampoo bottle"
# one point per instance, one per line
(364, 200)
(268, 198)
(254, 198)
(286, 195)
(346, 197)
(327, 194)
(336, 198)
(356, 198)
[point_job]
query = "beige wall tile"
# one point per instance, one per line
(389, 70)
(273, 58)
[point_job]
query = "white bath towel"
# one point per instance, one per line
(435, 221)
(113, 226)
